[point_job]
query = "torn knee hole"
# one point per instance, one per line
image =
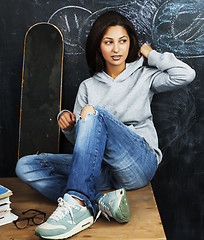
(87, 110)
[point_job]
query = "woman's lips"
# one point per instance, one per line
(116, 57)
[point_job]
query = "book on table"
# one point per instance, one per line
(6, 216)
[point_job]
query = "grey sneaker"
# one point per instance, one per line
(68, 219)
(115, 204)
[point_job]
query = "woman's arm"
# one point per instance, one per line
(172, 73)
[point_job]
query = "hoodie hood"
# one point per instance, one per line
(130, 68)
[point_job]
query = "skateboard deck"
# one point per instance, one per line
(41, 90)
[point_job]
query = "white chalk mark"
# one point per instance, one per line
(67, 23)
(67, 7)
(197, 23)
(76, 20)
(70, 44)
(196, 35)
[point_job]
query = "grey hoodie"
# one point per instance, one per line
(129, 95)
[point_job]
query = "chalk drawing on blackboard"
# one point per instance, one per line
(140, 16)
(178, 27)
(75, 21)
(69, 20)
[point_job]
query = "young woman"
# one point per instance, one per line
(111, 127)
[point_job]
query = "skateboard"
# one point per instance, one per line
(41, 90)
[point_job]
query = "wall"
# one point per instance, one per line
(173, 25)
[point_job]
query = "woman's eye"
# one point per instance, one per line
(108, 42)
(123, 41)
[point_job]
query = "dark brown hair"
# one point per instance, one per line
(95, 60)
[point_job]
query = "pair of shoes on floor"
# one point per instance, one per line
(70, 217)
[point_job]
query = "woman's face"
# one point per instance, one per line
(115, 46)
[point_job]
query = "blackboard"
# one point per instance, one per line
(168, 25)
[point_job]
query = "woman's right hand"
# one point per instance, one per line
(67, 121)
(145, 49)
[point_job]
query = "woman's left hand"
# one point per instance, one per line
(145, 49)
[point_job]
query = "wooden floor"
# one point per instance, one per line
(145, 220)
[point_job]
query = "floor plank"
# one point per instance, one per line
(145, 221)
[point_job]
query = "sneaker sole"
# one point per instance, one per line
(86, 223)
(122, 215)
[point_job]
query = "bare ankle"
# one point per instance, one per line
(79, 201)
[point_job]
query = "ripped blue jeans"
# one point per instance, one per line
(106, 155)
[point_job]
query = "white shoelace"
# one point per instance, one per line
(104, 210)
(62, 210)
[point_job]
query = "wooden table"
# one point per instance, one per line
(145, 220)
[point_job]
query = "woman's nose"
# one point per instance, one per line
(115, 48)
